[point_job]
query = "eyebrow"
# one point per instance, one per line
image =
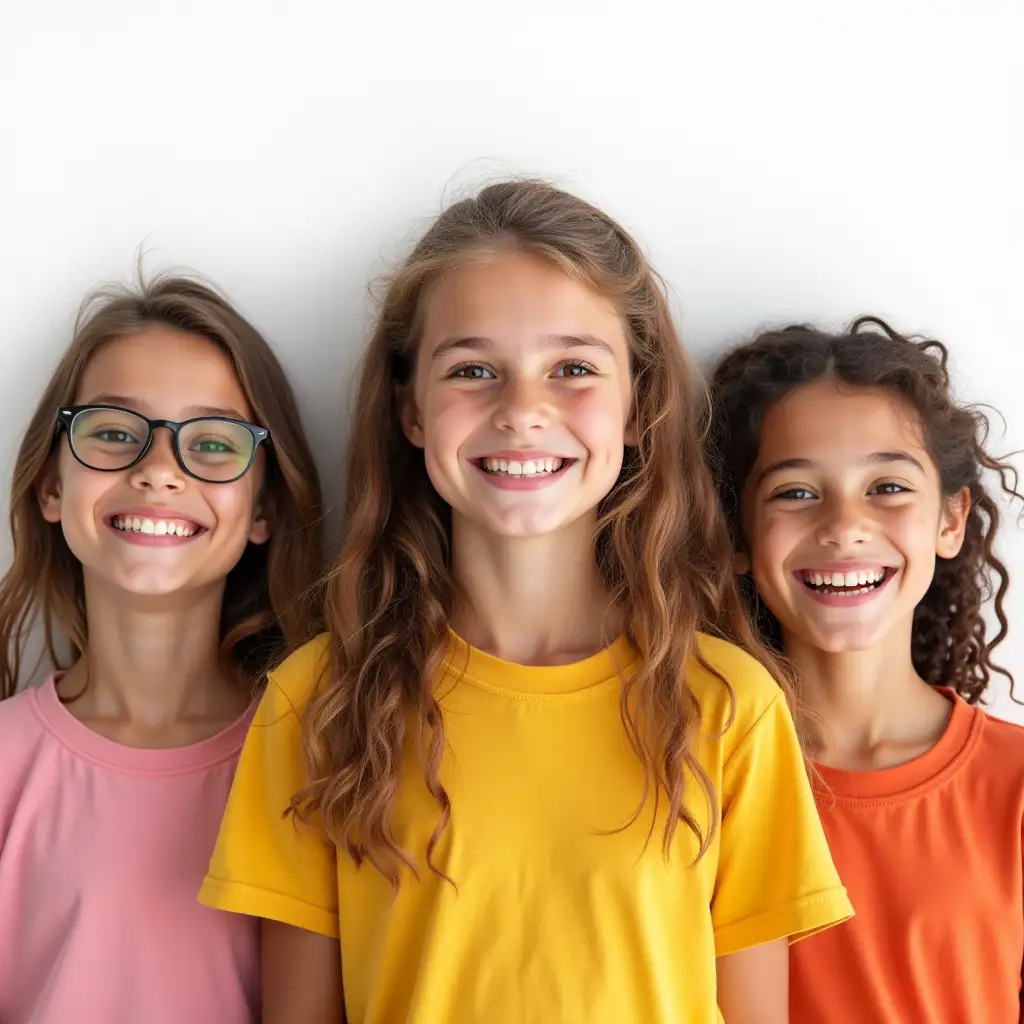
(193, 411)
(875, 458)
(474, 343)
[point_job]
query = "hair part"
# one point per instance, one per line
(269, 603)
(660, 545)
(950, 645)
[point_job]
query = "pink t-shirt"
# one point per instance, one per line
(103, 849)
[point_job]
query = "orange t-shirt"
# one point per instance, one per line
(930, 853)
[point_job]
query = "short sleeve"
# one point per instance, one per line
(267, 864)
(776, 878)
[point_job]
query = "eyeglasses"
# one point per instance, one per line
(212, 448)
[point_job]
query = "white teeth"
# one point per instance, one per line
(863, 579)
(529, 467)
(153, 527)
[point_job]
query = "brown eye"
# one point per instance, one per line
(574, 369)
(471, 371)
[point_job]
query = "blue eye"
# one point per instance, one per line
(471, 371)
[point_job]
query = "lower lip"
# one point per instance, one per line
(845, 600)
(505, 482)
(152, 540)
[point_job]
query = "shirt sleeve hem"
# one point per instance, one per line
(252, 901)
(795, 921)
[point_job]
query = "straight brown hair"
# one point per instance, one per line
(270, 603)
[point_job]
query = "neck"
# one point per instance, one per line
(874, 709)
(152, 661)
(535, 601)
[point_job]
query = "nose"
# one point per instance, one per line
(159, 469)
(522, 406)
(844, 523)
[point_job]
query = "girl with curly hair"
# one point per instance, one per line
(856, 489)
(543, 770)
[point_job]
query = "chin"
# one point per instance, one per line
(845, 643)
(151, 585)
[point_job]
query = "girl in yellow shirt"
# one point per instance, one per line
(527, 777)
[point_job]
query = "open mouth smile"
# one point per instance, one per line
(151, 529)
(849, 583)
(522, 471)
(524, 468)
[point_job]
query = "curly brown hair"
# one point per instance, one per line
(661, 546)
(269, 603)
(949, 645)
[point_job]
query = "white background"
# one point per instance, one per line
(779, 161)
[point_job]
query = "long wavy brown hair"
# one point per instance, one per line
(270, 604)
(661, 545)
(950, 645)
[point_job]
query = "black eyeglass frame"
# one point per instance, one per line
(66, 419)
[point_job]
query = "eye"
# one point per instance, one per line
(212, 447)
(471, 371)
(888, 488)
(115, 437)
(794, 494)
(574, 368)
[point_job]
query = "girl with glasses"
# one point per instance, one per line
(165, 511)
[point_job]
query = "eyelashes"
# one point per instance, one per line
(886, 489)
(569, 369)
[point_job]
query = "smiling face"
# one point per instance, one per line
(521, 397)
(152, 529)
(844, 516)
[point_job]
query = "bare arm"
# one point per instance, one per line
(301, 977)
(753, 985)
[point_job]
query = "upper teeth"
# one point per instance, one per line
(846, 579)
(158, 527)
(531, 467)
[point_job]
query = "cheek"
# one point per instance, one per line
(233, 504)
(450, 419)
(772, 539)
(914, 529)
(596, 415)
(82, 489)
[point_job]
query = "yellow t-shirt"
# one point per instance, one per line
(556, 918)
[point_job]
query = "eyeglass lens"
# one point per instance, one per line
(212, 449)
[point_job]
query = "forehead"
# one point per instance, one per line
(164, 373)
(516, 300)
(827, 423)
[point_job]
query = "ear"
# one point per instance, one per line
(48, 492)
(409, 414)
(741, 563)
(953, 524)
(263, 520)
